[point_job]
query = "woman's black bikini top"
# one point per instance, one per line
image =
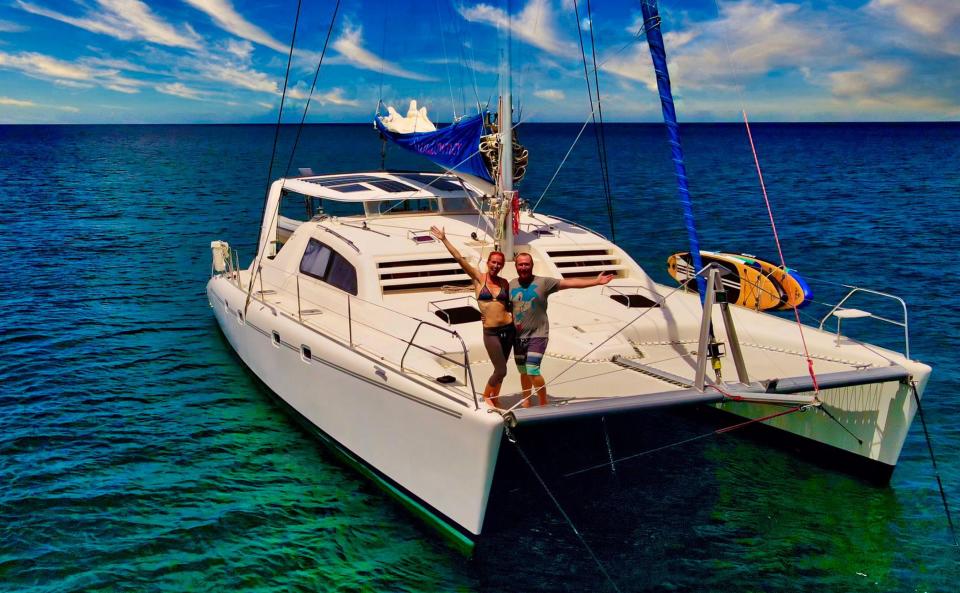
(486, 295)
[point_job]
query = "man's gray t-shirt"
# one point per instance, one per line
(530, 306)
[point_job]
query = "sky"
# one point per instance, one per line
(224, 61)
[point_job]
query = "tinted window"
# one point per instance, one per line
(342, 275)
(325, 264)
(316, 259)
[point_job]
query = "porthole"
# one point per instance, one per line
(239, 316)
(305, 353)
(276, 339)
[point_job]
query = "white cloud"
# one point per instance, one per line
(10, 102)
(237, 75)
(550, 95)
(11, 27)
(126, 20)
(227, 18)
(872, 78)
(242, 50)
(749, 38)
(535, 25)
(335, 97)
(178, 89)
(70, 74)
(929, 16)
(350, 47)
(16, 102)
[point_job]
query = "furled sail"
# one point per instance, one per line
(455, 147)
(651, 25)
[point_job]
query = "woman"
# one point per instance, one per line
(493, 296)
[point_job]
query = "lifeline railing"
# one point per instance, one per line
(353, 322)
(855, 289)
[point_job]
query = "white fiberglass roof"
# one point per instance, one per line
(379, 185)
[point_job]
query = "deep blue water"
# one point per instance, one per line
(137, 455)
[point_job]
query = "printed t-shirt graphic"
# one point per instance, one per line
(530, 306)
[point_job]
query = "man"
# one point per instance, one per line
(528, 295)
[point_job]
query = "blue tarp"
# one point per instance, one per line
(454, 147)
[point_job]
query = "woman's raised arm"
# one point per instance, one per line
(469, 269)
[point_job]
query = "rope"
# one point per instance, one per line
(685, 441)
(597, 131)
(783, 263)
(605, 166)
(565, 157)
(446, 65)
(273, 151)
(933, 460)
(563, 513)
(313, 86)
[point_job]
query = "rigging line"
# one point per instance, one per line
(273, 151)
(565, 157)
(603, 138)
(776, 236)
(611, 336)
(446, 64)
(636, 37)
(586, 77)
(933, 459)
(566, 517)
(316, 75)
(686, 441)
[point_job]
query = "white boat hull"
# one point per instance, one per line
(439, 452)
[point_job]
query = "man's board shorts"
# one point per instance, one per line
(528, 353)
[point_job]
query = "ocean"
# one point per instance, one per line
(137, 454)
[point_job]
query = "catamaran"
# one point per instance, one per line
(364, 326)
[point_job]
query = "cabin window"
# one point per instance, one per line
(323, 263)
(408, 206)
(305, 353)
(316, 259)
(276, 339)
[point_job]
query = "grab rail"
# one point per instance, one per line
(467, 371)
(300, 313)
(904, 324)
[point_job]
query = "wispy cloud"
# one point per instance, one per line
(237, 75)
(73, 74)
(17, 102)
(553, 95)
(929, 17)
(937, 23)
(178, 89)
(126, 20)
(11, 27)
(26, 104)
(335, 97)
(535, 24)
(870, 79)
(227, 18)
(350, 47)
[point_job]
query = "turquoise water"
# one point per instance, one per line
(136, 454)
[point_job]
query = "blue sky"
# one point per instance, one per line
(213, 61)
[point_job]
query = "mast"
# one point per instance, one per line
(505, 124)
(651, 24)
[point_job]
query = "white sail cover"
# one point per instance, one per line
(415, 121)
